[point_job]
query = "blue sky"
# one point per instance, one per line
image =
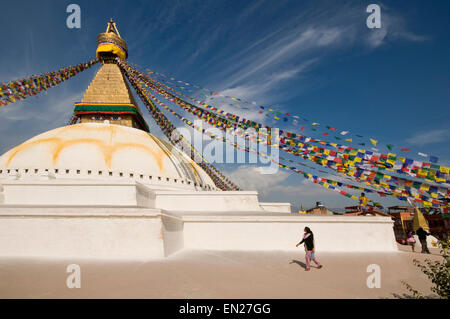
(316, 59)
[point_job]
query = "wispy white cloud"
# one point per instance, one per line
(57, 108)
(278, 52)
(263, 89)
(277, 187)
(36, 115)
(250, 178)
(376, 37)
(393, 27)
(430, 137)
(314, 32)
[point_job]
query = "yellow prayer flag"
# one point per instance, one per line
(374, 142)
(445, 169)
(418, 219)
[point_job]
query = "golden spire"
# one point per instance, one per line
(110, 44)
(111, 27)
(108, 96)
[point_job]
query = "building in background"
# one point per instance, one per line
(319, 209)
(357, 211)
(403, 216)
(403, 220)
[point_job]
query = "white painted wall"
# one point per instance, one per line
(276, 207)
(172, 234)
(2, 195)
(74, 193)
(91, 193)
(207, 201)
(81, 233)
(57, 219)
(142, 233)
(332, 233)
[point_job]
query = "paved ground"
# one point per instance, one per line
(211, 274)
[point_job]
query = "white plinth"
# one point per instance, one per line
(125, 233)
(131, 220)
(282, 232)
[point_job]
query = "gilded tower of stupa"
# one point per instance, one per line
(108, 97)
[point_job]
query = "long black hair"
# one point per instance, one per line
(308, 230)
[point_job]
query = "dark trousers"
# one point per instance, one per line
(423, 242)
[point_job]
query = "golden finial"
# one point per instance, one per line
(111, 27)
(110, 44)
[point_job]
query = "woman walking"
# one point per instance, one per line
(422, 234)
(411, 240)
(308, 239)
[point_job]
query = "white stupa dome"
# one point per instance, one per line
(104, 151)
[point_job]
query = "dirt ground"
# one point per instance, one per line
(213, 274)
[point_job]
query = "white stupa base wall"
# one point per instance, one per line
(142, 233)
(128, 233)
(88, 219)
(95, 193)
(278, 232)
(276, 207)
